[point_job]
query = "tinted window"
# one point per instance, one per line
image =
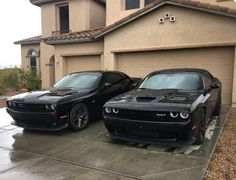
(64, 19)
(112, 78)
(182, 81)
(132, 4)
(207, 80)
(149, 1)
(78, 81)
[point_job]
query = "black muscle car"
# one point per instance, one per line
(73, 101)
(171, 106)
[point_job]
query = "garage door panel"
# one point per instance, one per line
(82, 63)
(218, 61)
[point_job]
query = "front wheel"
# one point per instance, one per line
(200, 128)
(79, 117)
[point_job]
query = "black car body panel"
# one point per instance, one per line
(144, 115)
(32, 110)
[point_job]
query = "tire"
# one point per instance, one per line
(200, 129)
(79, 117)
(217, 108)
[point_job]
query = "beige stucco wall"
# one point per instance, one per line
(116, 10)
(83, 14)
(63, 52)
(97, 15)
(191, 29)
(25, 62)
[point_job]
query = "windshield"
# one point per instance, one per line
(180, 81)
(78, 81)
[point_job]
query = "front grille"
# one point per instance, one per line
(29, 107)
(155, 116)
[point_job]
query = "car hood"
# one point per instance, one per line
(163, 100)
(52, 95)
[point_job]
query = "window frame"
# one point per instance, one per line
(58, 8)
(131, 8)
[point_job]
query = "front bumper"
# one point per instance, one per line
(170, 133)
(48, 121)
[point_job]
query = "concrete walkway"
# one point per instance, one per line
(89, 155)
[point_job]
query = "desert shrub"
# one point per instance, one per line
(17, 78)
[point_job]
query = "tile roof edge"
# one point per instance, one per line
(197, 5)
(28, 41)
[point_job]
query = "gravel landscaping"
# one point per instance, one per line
(223, 162)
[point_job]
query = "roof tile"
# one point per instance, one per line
(31, 40)
(73, 36)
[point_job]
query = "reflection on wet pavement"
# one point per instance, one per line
(89, 154)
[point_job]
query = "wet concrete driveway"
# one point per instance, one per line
(89, 155)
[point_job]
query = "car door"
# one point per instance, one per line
(211, 102)
(111, 85)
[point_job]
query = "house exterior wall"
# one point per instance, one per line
(191, 29)
(63, 52)
(25, 62)
(83, 14)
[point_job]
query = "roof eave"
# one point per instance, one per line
(26, 43)
(70, 41)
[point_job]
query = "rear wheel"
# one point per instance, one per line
(79, 117)
(200, 128)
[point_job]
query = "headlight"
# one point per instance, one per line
(11, 104)
(184, 115)
(108, 110)
(50, 107)
(174, 114)
(115, 110)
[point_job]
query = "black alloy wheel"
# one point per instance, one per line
(201, 128)
(79, 117)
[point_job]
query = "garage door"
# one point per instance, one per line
(219, 61)
(83, 63)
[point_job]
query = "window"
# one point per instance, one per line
(148, 2)
(78, 81)
(132, 4)
(32, 58)
(64, 18)
(112, 78)
(179, 81)
(207, 80)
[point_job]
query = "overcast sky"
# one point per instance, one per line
(19, 20)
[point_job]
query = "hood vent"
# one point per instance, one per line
(145, 99)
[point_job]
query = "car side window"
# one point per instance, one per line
(207, 80)
(112, 78)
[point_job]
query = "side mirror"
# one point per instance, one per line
(107, 85)
(215, 85)
(135, 84)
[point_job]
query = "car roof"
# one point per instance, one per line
(96, 71)
(195, 70)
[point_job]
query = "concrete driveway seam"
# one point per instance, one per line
(172, 171)
(76, 164)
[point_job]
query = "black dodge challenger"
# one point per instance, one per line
(73, 101)
(171, 106)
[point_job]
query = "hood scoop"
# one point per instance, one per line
(145, 99)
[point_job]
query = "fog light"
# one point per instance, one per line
(174, 114)
(184, 115)
(108, 110)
